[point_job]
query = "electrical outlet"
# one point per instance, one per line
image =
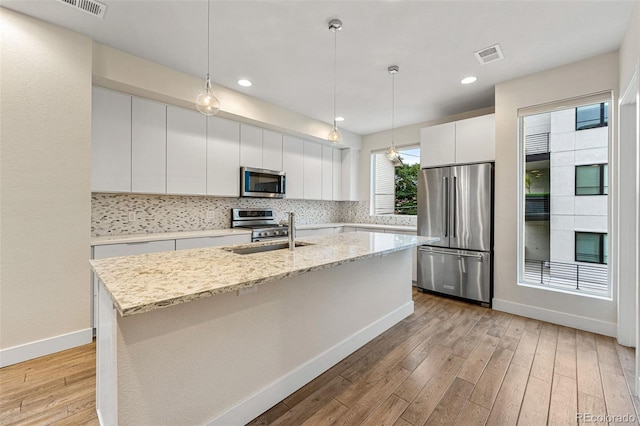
(211, 214)
(132, 216)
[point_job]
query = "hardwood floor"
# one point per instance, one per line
(58, 389)
(450, 363)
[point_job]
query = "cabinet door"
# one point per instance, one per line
(293, 165)
(186, 152)
(337, 175)
(312, 171)
(110, 141)
(350, 170)
(148, 146)
(327, 173)
(271, 150)
(438, 145)
(250, 146)
(202, 242)
(475, 139)
(223, 157)
(129, 249)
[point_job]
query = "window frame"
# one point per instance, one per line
(372, 175)
(602, 123)
(601, 245)
(603, 171)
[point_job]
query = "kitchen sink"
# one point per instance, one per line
(263, 248)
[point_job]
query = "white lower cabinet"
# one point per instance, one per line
(348, 229)
(125, 249)
(316, 231)
(129, 249)
(414, 255)
(192, 243)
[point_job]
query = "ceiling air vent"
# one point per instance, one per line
(489, 54)
(90, 6)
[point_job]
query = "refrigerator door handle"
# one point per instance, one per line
(445, 183)
(478, 257)
(455, 207)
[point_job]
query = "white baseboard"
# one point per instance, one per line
(260, 402)
(556, 317)
(44, 347)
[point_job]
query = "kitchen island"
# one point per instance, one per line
(211, 336)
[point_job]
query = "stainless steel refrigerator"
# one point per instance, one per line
(456, 204)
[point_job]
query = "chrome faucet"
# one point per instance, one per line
(292, 231)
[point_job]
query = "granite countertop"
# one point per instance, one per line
(146, 282)
(159, 236)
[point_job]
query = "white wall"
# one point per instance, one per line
(585, 77)
(628, 311)
(45, 122)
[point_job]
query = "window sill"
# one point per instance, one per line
(559, 290)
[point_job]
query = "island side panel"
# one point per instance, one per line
(227, 358)
(106, 371)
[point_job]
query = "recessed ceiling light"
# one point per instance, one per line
(339, 118)
(244, 83)
(468, 80)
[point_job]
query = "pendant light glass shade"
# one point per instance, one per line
(334, 135)
(392, 153)
(206, 102)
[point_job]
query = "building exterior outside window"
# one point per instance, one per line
(565, 199)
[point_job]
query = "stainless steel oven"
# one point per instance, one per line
(262, 183)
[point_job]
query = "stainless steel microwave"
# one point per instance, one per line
(262, 183)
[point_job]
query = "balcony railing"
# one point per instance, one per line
(537, 207)
(592, 279)
(536, 144)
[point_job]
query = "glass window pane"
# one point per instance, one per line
(588, 180)
(606, 113)
(605, 179)
(588, 116)
(605, 249)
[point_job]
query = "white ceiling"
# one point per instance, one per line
(286, 49)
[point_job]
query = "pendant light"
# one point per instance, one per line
(392, 154)
(206, 102)
(334, 136)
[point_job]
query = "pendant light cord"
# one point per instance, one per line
(335, 48)
(208, 35)
(393, 108)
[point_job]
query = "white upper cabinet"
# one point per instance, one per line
(250, 146)
(475, 139)
(438, 145)
(337, 174)
(148, 146)
(465, 141)
(312, 171)
(293, 166)
(350, 170)
(110, 141)
(223, 157)
(271, 150)
(186, 152)
(327, 173)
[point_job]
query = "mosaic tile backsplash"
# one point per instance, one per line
(171, 213)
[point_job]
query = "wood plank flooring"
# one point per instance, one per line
(453, 363)
(450, 363)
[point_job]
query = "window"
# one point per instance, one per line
(592, 116)
(394, 185)
(591, 247)
(563, 242)
(592, 179)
